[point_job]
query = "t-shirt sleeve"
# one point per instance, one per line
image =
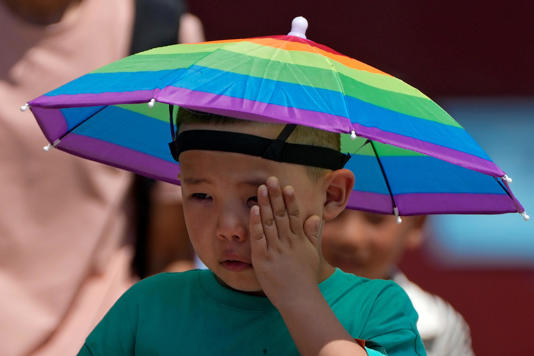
(372, 352)
(392, 323)
(115, 334)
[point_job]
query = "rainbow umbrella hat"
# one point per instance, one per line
(408, 155)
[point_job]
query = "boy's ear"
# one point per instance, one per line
(339, 185)
(415, 231)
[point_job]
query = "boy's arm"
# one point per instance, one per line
(286, 260)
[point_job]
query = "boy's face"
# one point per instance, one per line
(218, 190)
(367, 244)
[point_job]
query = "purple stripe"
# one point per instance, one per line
(251, 110)
(109, 98)
(51, 121)
(459, 158)
(121, 157)
(409, 204)
(518, 205)
(374, 202)
(436, 203)
(439, 203)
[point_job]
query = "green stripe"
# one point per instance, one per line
(280, 65)
(405, 104)
(326, 79)
(184, 48)
(138, 63)
(319, 61)
(379, 81)
(358, 146)
(271, 69)
(305, 58)
(159, 111)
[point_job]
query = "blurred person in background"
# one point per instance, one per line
(371, 245)
(65, 252)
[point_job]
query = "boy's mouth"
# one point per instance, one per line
(236, 265)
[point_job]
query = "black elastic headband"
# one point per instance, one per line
(275, 150)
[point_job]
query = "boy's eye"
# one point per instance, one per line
(252, 200)
(200, 196)
(374, 219)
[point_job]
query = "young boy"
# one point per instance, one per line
(256, 224)
(371, 245)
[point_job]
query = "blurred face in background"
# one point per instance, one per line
(369, 245)
(40, 12)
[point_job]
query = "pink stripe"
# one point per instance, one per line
(120, 157)
(444, 153)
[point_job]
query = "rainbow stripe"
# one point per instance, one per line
(428, 161)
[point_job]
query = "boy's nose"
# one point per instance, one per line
(232, 226)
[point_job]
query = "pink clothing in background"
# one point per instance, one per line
(63, 257)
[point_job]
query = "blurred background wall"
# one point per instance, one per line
(476, 59)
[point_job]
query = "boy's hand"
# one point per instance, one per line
(285, 251)
(286, 260)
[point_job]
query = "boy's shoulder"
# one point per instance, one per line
(371, 288)
(165, 284)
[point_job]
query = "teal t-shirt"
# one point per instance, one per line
(190, 313)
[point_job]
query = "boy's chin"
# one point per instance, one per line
(241, 287)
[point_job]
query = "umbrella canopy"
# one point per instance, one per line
(408, 155)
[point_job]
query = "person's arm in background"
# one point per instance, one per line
(190, 30)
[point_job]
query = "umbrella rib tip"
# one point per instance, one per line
(24, 107)
(396, 212)
(525, 216)
(54, 144)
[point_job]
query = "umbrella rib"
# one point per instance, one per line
(336, 75)
(508, 192)
(83, 121)
(384, 175)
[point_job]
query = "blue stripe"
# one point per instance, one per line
(453, 137)
(423, 174)
(130, 129)
(96, 83)
(406, 174)
(368, 175)
(263, 90)
(73, 116)
(418, 174)
(279, 93)
(327, 101)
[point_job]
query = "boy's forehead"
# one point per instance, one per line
(203, 166)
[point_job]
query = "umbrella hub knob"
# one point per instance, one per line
(299, 25)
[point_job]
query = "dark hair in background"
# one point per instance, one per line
(156, 24)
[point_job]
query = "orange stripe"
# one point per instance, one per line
(297, 46)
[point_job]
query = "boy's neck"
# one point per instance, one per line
(326, 271)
